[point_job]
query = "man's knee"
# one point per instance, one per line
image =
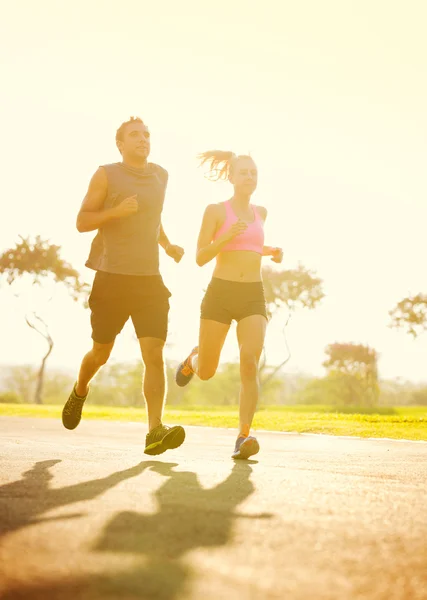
(248, 365)
(101, 353)
(153, 357)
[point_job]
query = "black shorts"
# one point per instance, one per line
(115, 298)
(227, 300)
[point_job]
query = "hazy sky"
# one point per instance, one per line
(330, 99)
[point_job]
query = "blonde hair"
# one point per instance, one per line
(220, 163)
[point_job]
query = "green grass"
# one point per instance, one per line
(408, 423)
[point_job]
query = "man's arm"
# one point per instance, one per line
(175, 252)
(91, 215)
(163, 238)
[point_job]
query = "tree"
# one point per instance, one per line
(39, 260)
(20, 380)
(290, 289)
(411, 314)
(354, 367)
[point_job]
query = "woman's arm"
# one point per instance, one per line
(273, 251)
(208, 249)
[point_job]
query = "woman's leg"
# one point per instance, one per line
(250, 334)
(204, 358)
(212, 335)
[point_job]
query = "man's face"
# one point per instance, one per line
(135, 142)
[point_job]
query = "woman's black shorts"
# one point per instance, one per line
(227, 300)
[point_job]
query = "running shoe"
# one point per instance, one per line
(184, 372)
(72, 411)
(245, 447)
(163, 438)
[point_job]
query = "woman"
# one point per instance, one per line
(232, 232)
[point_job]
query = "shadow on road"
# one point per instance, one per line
(188, 517)
(23, 502)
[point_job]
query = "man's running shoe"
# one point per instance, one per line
(72, 411)
(245, 447)
(184, 372)
(163, 438)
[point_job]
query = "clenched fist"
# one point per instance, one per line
(277, 255)
(235, 230)
(175, 252)
(128, 206)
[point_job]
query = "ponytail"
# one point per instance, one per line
(219, 163)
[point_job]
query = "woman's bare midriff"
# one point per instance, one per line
(239, 265)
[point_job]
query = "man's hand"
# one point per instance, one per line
(128, 206)
(175, 252)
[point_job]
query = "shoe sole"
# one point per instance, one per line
(70, 428)
(67, 425)
(247, 449)
(180, 379)
(172, 440)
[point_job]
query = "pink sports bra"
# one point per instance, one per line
(251, 239)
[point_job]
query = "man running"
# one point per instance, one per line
(124, 203)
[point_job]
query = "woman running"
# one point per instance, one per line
(233, 233)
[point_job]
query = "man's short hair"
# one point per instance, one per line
(121, 129)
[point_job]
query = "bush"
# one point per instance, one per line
(338, 389)
(9, 398)
(419, 397)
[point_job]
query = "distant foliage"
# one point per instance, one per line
(351, 359)
(410, 314)
(292, 288)
(120, 384)
(353, 372)
(9, 398)
(39, 258)
(20, 380)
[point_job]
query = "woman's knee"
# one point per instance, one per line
(206, 371)
(248, 365)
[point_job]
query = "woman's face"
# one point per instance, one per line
(244, 175)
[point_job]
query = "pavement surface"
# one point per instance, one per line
(85, 515)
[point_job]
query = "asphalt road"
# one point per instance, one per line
(85, 515)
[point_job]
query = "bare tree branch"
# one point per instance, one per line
(46, 335)
(270, 376)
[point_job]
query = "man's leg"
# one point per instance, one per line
(151, 325)
(154, 379)
(91, 363)
(159, 437)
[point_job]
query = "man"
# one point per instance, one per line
(124, 203)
